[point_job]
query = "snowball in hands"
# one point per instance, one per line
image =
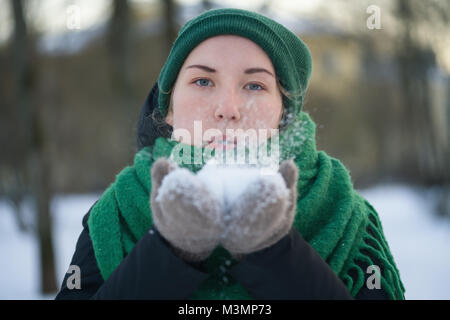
(245, 207)
(226, 182)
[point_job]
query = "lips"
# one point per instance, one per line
(222, 142)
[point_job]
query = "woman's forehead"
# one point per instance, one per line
(227, 51)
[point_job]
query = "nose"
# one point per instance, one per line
(228, 109)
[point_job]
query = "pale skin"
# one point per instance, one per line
(226, 82)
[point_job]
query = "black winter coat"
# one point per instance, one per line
(289, 269)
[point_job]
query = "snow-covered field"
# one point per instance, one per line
(418, 240)
(19, 264)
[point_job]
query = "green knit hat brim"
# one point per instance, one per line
(289, 54)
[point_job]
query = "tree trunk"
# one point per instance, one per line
(171, 25)
(119, 40)
(35, 150)
(41, 168)
(425, 165)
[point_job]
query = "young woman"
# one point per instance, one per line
(232, 69)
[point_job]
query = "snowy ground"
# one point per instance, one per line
(19, 266)
(418, 240)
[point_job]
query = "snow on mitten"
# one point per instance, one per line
(185, 213)
(263, 213)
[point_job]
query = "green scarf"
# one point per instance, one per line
(336, 221)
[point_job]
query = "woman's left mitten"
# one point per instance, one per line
(184, 211)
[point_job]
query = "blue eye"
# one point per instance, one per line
(256, 88)
(203, 82)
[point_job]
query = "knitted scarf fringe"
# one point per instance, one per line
(375, 244)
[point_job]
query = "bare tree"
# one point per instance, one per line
(119, 41)
(415, 59)
(35, 149)
(171, 30)
(409, 129)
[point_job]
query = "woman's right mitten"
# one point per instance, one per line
(263, 213)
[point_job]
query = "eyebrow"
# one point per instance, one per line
(247, 71)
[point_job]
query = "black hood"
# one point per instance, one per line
(151, 124)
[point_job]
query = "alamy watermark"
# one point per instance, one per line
(74, 280)
(73, 17)
(374, 20)
(373, 281)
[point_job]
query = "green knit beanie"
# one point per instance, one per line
(289, 54)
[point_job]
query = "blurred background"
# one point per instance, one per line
(75, 73)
